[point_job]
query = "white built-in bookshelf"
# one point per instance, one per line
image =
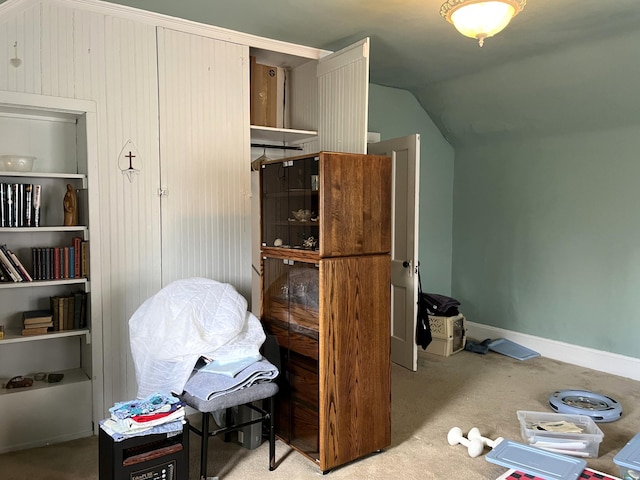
(60, 134)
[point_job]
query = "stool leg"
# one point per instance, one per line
(204, 446)
(227, 423)
(272, 436)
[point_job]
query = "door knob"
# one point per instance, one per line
(406, 264)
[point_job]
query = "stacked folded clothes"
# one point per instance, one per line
(158, 413)
(219, 378)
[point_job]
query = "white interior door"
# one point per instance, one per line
(405, 154)
(343, 99)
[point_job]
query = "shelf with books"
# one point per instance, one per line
(44, 283)
(45, 257)
(37, 202)
(15, 336)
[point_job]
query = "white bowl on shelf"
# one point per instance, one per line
(17, 163)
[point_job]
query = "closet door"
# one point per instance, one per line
(204, 159)
(343, 99)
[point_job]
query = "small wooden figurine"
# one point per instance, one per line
(70, 206)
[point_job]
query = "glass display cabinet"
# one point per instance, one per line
(326, 296)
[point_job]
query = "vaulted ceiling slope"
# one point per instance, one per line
(561, 66)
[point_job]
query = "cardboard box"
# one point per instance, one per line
(448, 333)
(267, 95)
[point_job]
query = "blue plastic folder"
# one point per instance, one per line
(536, 461)
(512, 349)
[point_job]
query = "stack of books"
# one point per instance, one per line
(37, 322)
(69, 311)
(20, 205)
(11, 268)
(56, 263)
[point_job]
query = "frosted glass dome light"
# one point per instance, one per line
(481, 19)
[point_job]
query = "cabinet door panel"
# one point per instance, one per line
(343, 96)
(355, 204)
(355, 366)
(204, 144)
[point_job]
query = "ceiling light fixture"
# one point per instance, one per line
(480, 18)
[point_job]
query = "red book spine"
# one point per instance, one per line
(76, 252)
(66, 263)
(56, 263)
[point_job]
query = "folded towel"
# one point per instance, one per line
(230, 369)
(206, 385)
(111, 428)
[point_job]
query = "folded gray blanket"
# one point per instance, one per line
(207, 385)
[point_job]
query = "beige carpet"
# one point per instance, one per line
(463, 390)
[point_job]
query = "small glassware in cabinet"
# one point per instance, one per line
(290, 204)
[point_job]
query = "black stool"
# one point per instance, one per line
(260, 393)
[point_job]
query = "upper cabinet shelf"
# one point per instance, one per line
(80, 176)
(285, 136)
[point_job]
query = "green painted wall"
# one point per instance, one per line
(396, 113)
(546, 238)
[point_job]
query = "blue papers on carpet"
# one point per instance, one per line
(208, 385)
(512, 349)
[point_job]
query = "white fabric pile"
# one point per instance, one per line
(185, 320)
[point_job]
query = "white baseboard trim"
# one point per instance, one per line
(602, 361)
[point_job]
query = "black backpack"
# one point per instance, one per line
(432, 304)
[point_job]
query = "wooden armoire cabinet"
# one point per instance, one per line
(325, 270)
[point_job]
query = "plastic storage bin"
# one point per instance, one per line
(628, 459)
(583, 444)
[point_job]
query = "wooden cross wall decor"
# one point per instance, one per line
(129, 161)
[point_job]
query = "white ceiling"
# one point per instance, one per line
(560, 66)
